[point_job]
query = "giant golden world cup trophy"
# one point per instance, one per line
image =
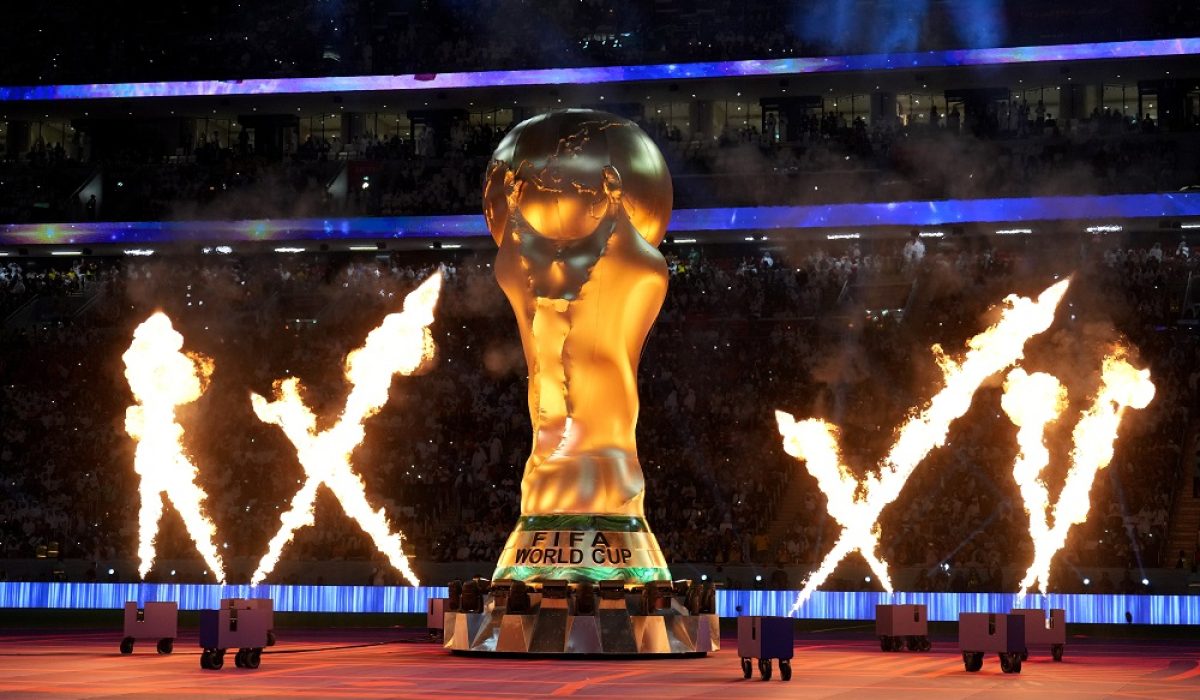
(577, 202)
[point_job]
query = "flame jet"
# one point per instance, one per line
(856, 505)
(1032, 401)
(162, 377)
(402, 344)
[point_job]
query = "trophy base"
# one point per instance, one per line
(580, 548)
(555, 621)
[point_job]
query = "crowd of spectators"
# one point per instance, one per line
(230, 39)
(743, 332)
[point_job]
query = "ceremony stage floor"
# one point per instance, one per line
(843, 661)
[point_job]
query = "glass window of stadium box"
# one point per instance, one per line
(913, 108)
(851, 107)
(322, 128)
(1120, 98)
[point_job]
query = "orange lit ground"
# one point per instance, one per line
(42, 664)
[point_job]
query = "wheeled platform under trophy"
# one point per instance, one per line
(557, 618)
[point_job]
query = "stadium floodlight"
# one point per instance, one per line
(289, 249)
(66, 252)
(139, 252)
(842, 236)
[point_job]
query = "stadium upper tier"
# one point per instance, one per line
(68, 42)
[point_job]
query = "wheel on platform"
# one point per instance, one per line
(1025, 654)
(764, 669)
(912, 643)
(897, 643)
(239, 659)
(166, 645)
(785, 670)
(885, 643)
(694, 599)
(271, 638)
(127, 645)
(708, 603)
(747, 668)
(212, 659)
(1010, 663)
(1056, 651)
(253, 658)
(926, 645)
(972, 661)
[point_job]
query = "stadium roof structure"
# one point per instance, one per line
(827, 220)
(611, 74)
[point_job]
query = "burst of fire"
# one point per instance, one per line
(856, 505)
(1032, 401)
(402, 344)
(162, 377)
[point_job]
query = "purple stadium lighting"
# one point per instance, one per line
(683, 221)
(612, 74)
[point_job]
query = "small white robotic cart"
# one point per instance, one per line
(227, 628)
(1041, 630)
(766, 638)
(435, 618)
(900, 626)
(980, 633)
(255, 604)
(157, 621)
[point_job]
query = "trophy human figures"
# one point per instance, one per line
(578, 201)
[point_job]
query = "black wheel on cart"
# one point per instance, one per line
(747, 668)
(764, 669)
(1056, 651)
(926, 645)
(166, 646)
(911, 643)
(1010, 663)
(785, 670)
(127, 645)
(972, 661)
(212, 659)
(897, 643)
(271, 638)
(1025, 654)
(253, 658)
(239, 659)
(885, 643)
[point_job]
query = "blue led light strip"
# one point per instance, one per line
(195, 596)
(612, 74)
(839, 217)
(826, 605)
(943, 607)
